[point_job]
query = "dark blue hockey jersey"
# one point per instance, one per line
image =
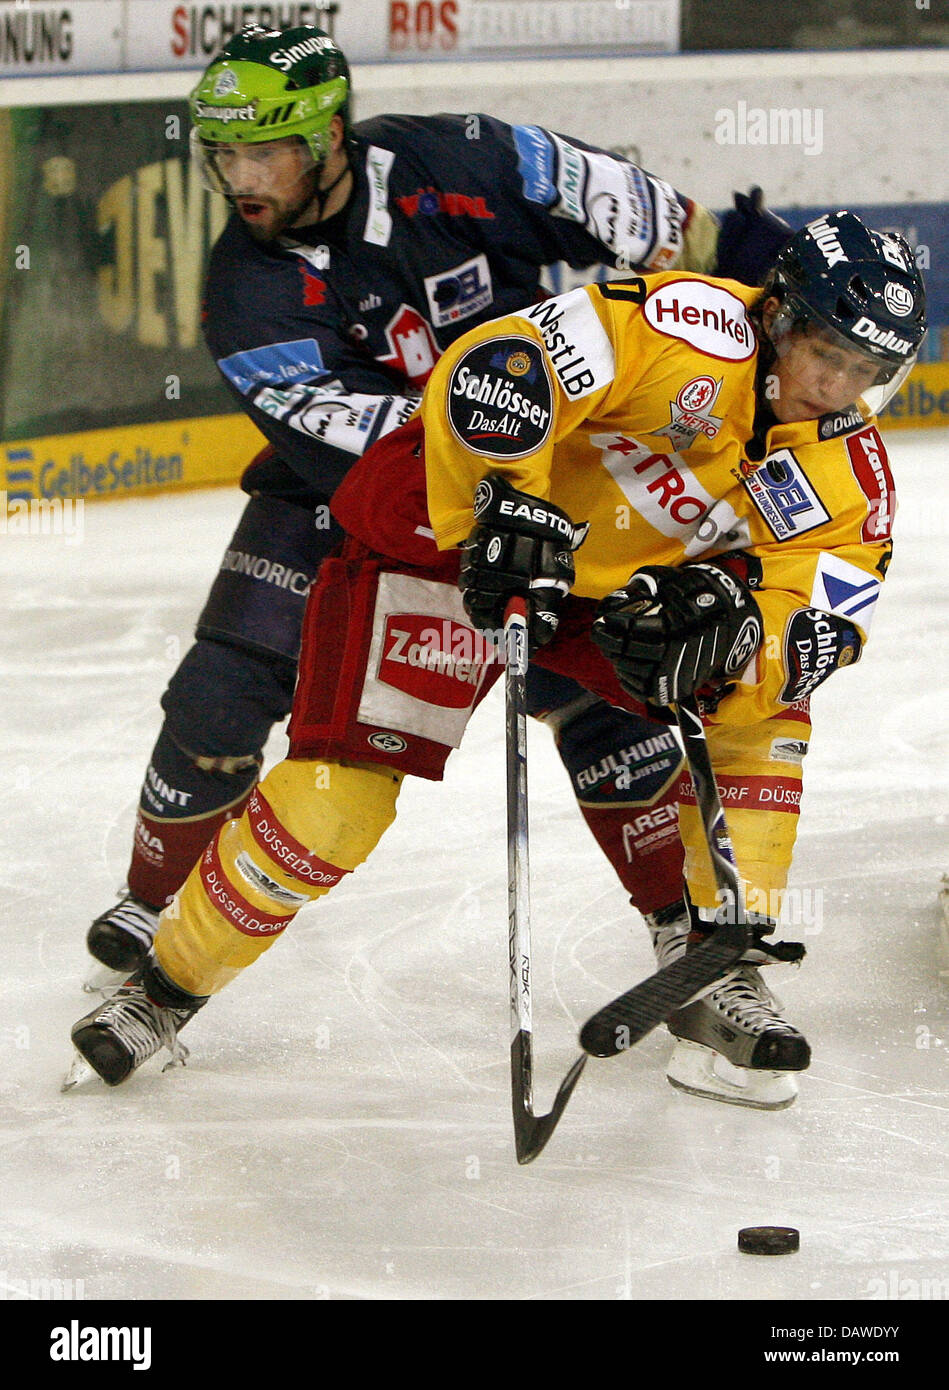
(327, 337)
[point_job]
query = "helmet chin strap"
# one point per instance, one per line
(321, 196)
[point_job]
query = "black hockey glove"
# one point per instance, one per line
(671, 630)
(750, 239)
(520, 546)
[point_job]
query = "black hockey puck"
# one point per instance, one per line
(769, 1240)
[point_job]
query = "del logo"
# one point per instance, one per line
(432, 659)
(707, 316)
(872, 471)
(785, 497)
(690, 412)
(459, 292)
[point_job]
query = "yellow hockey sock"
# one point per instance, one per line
(305, 826)
(758, 770)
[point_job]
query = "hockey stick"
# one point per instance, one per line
(531, 1131)
(621, 1023)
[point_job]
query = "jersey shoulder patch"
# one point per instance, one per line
(844, 589)
(785, 496)
(500, 398)
(274, 364)
(577, 345)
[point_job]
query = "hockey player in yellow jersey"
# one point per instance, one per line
(684, 480)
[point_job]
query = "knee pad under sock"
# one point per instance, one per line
(305, 826)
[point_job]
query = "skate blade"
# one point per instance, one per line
(701, 1071)
(104, 981)
(79, 1072)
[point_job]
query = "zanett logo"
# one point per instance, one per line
(706, 316)
(872, 471)
(435, 660)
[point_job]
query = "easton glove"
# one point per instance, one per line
(520, 546)
(672, 629)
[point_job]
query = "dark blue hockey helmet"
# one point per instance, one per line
(862, 287)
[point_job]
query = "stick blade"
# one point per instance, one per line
(620, 1024)
(531, 1132)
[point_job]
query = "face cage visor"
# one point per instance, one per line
(890, 375)
(241, 169)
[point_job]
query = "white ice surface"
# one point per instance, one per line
(343, 1127)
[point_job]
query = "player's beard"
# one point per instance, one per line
(276, 215)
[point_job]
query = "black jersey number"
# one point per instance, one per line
(631, 290)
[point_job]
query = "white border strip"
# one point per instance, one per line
(521, 74)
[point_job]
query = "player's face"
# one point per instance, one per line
(271, 184)
(814, 375)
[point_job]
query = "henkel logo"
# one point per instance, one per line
(433, 659)
(704, 315)
(872, 471)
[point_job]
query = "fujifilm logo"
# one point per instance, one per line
(826, 237)
(77, 1343)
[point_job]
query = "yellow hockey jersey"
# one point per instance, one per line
(631, 406)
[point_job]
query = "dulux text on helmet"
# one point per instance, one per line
(269, 84)
(861, 286)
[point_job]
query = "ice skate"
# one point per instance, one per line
(120, 939)
(125, 1031)
(732, 1043)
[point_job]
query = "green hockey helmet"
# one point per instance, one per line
(267, 85)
